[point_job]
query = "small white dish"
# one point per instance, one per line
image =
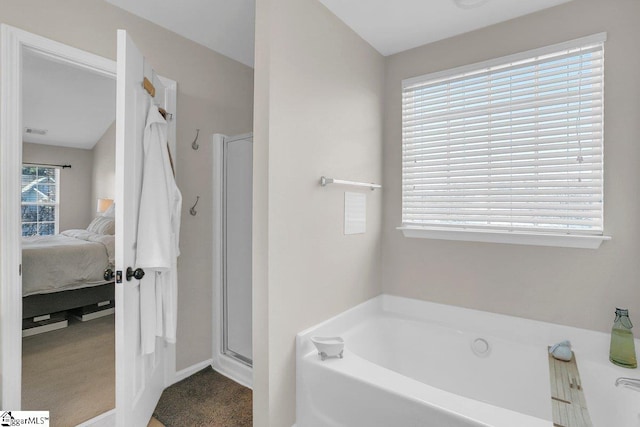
(562, 351)
(329, 346)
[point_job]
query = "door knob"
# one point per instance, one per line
(108, 274)
(137, 274)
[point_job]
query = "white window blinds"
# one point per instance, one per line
(510, 144)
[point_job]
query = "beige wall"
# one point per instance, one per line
(215, 94)
(103, 174)
(75, 182)
(260, 206)
(319, 112)
(578, 287)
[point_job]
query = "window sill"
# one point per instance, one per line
(511, 237)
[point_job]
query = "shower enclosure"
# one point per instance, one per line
(233, 167)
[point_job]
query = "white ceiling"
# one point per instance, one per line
(225, 26)
(398, 25)
(74, 106)
(390, 26)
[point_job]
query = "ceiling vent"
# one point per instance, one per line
(469, 4)
(35, 131)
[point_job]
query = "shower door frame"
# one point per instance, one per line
(224, 360)
(225, 307)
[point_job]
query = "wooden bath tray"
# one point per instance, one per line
(567, 397)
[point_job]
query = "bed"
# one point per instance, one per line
(65, 271)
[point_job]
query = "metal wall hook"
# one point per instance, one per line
(194, 144)
(193, 211)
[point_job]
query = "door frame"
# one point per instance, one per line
(12, 42)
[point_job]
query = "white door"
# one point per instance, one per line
(140, 379)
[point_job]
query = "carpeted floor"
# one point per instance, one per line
(206, 398)
(70, 372)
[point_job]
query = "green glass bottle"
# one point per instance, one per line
(622, 351)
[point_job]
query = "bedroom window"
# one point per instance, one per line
(40, 200)
(509, 150)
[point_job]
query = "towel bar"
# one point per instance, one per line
(324, 181)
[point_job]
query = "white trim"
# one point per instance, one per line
(187, 372)
(511, 237)
(571, 44)
(218, 181)
(10, 234)
(234, 370)
(12, 43)
(106, 419)
(170, 101)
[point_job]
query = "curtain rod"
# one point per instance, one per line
(47, 164)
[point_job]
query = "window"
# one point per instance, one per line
(509, 146)
(40, 200)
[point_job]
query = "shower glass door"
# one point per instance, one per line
(237, 217)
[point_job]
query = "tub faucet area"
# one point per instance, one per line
(632, 383)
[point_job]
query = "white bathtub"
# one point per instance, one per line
(410, 363)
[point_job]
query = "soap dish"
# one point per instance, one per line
(562, 351)
(329, 346)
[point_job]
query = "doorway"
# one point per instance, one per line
(18, 49)
(68, 226)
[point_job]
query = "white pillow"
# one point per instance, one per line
(102, 225)
(111, 211)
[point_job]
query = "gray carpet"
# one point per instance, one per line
(206, 398)
(70, 372)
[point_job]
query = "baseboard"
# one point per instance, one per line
(241, 376)
(233, 369)
(106, 419)
(187, 372)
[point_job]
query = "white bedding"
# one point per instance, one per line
(69, 260)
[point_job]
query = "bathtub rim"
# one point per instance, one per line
(591, 346)
(586, 343)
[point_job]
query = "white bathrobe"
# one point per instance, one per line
(158, 236)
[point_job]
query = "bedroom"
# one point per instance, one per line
(68, 230)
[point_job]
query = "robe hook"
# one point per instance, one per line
(194, 144)
(193, 211)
